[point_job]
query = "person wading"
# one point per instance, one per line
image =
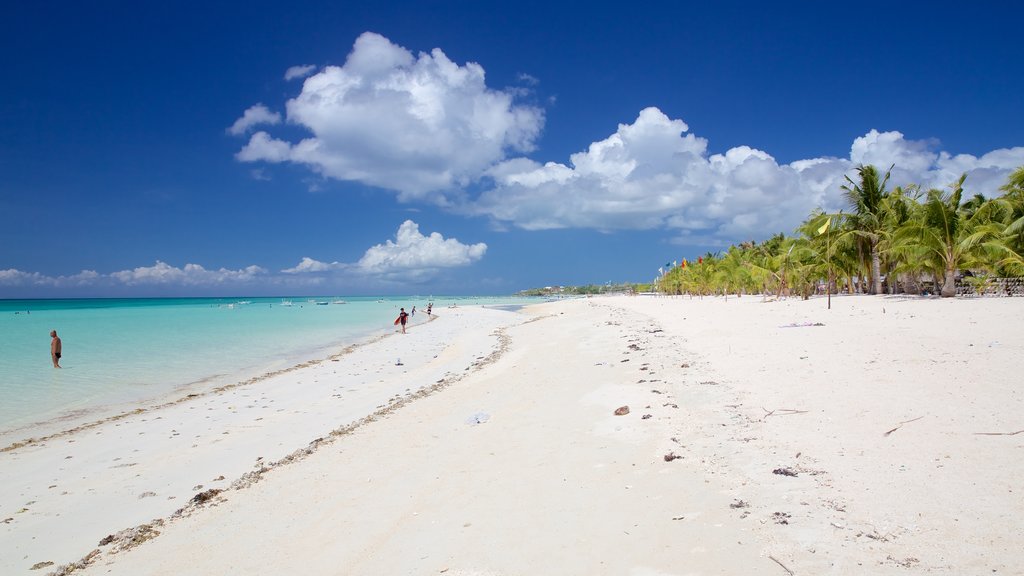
(55, 348)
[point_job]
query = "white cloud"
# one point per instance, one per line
(14, 277)
(262, 147)
(411, 256)
(310, 265)
(417, 255)
(416, 124)
(298, 72)
(254, 116)
(652, 174)
(528, 79)
(190, 275)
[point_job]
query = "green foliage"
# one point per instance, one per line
(904, 235)
(587, 290)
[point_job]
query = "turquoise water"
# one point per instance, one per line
(118, 351)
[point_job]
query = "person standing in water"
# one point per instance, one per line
(55, 348)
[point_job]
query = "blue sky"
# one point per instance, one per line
(269, 148)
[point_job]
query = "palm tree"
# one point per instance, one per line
(867, 200)
(779, 265)
(733, 274)
(947, 238)
(898, 207)
(1013, 234)
(900, 233)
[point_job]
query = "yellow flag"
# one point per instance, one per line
(825, 227)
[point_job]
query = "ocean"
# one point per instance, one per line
(120, 352)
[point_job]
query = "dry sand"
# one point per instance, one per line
(761, 438)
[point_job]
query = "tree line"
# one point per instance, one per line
(903, 240)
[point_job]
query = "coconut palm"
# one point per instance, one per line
(946, 238)
(733, 274)
(1013, 234)
(778, 264)
(867, 199)
(898, 207)
(902, 233)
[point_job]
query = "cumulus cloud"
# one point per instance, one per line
(14, 277)
(298, 72)
(262, 147)
(160, 273)
(413, 253)
(410, 256)
(254, 116)
(310, 265)
(653, 174)
(416, 124)
(190, 275)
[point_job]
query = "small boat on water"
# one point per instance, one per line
(286, 303)
(322, 303)
(339, 302)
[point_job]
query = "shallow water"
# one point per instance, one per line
(118, 351)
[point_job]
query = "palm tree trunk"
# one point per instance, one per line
(949, 286)
(876, 271)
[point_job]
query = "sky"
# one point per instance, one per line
(386, 148)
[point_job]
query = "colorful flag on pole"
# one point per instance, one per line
(824, 227)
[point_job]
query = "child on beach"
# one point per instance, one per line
(403, 317)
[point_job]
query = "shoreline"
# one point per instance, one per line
(69, 421)
(182, 393)
(148, 464)
(144, 351)
(875, 437)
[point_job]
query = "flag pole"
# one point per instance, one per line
(828, 264)
(828, 260)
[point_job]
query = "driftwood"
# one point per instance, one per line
(999, 433)
(776, 560)
(780, 412)
(900, 425)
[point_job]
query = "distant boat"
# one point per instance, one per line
(339, 302)
(322, 303)
(286, 302)
(244, 302)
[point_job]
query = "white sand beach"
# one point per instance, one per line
(883, 436)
